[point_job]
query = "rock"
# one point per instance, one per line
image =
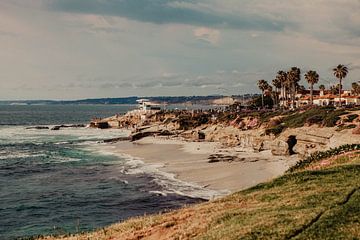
(201, 135)
(166, 133)
(56, 128)
(68, 126)
(119, 139)
(280, 148)
(140, 135)
(38, 127)
(274, 122)
(356, 130)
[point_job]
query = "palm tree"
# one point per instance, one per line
(335, 88)
(312, 77)
(282, 77)
(277, 84)
(293, 78)
(322, 87)
(340, 72)
(263, 85)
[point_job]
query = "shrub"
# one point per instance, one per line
(332, 117)
(328, 115)
(317, 156)
(275, 130)
(343, 127)
(351, 117)
(314, 119)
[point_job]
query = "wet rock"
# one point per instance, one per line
(38, 127)
(114, 140)
(68, 126)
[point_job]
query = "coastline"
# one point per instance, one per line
(188, 162)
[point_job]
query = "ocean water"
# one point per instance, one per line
(53, 182)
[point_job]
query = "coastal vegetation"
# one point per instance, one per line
(287, 86)
(317, 199)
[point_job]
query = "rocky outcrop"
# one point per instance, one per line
(114, 140)
(245, 132)
(37, 128)
(68, 126)
(279, 148)
(142, 134)
(302, 141)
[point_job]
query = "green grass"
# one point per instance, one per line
(303, 204)
(325, 116)
(318, 156)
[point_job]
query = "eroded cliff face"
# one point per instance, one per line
(302, 141)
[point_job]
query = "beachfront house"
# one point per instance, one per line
(322, 98)
(145, 109)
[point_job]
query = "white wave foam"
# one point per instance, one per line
(7, 155)
(167, 181)
(19, 134)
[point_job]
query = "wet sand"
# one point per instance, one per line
(189, 162)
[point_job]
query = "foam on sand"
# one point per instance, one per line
(182, 167)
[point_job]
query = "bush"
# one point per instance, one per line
(275, 130)
(314, 120)
(343, 127)
(332, 117)
(317, 156)
(327, 116)
(351, 117)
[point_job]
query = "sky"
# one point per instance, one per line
(75, 49)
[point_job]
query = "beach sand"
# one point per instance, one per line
(188, 161)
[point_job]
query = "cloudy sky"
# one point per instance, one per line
(73, 49)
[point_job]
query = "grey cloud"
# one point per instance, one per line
(162, 12)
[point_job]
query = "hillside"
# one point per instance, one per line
(317, 199)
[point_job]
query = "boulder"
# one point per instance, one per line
(280, 148)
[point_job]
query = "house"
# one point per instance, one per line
(146, 108)
(146, 105)
(321, 98)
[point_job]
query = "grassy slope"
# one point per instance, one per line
(321, 201)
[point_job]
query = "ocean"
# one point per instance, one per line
(53, 182)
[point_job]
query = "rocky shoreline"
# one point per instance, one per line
(239, 130)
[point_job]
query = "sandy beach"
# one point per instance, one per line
(189, 162)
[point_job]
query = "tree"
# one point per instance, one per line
(263, 85)
(340, 73)
(282, 77)
(277, 84)
(355, 88)
(294, 78)
(334, 89)
(312, 77)
(322, 87)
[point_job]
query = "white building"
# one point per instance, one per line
(145, 109)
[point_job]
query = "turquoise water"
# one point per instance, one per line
(52, 182)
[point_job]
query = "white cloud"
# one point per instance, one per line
(112, 56)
